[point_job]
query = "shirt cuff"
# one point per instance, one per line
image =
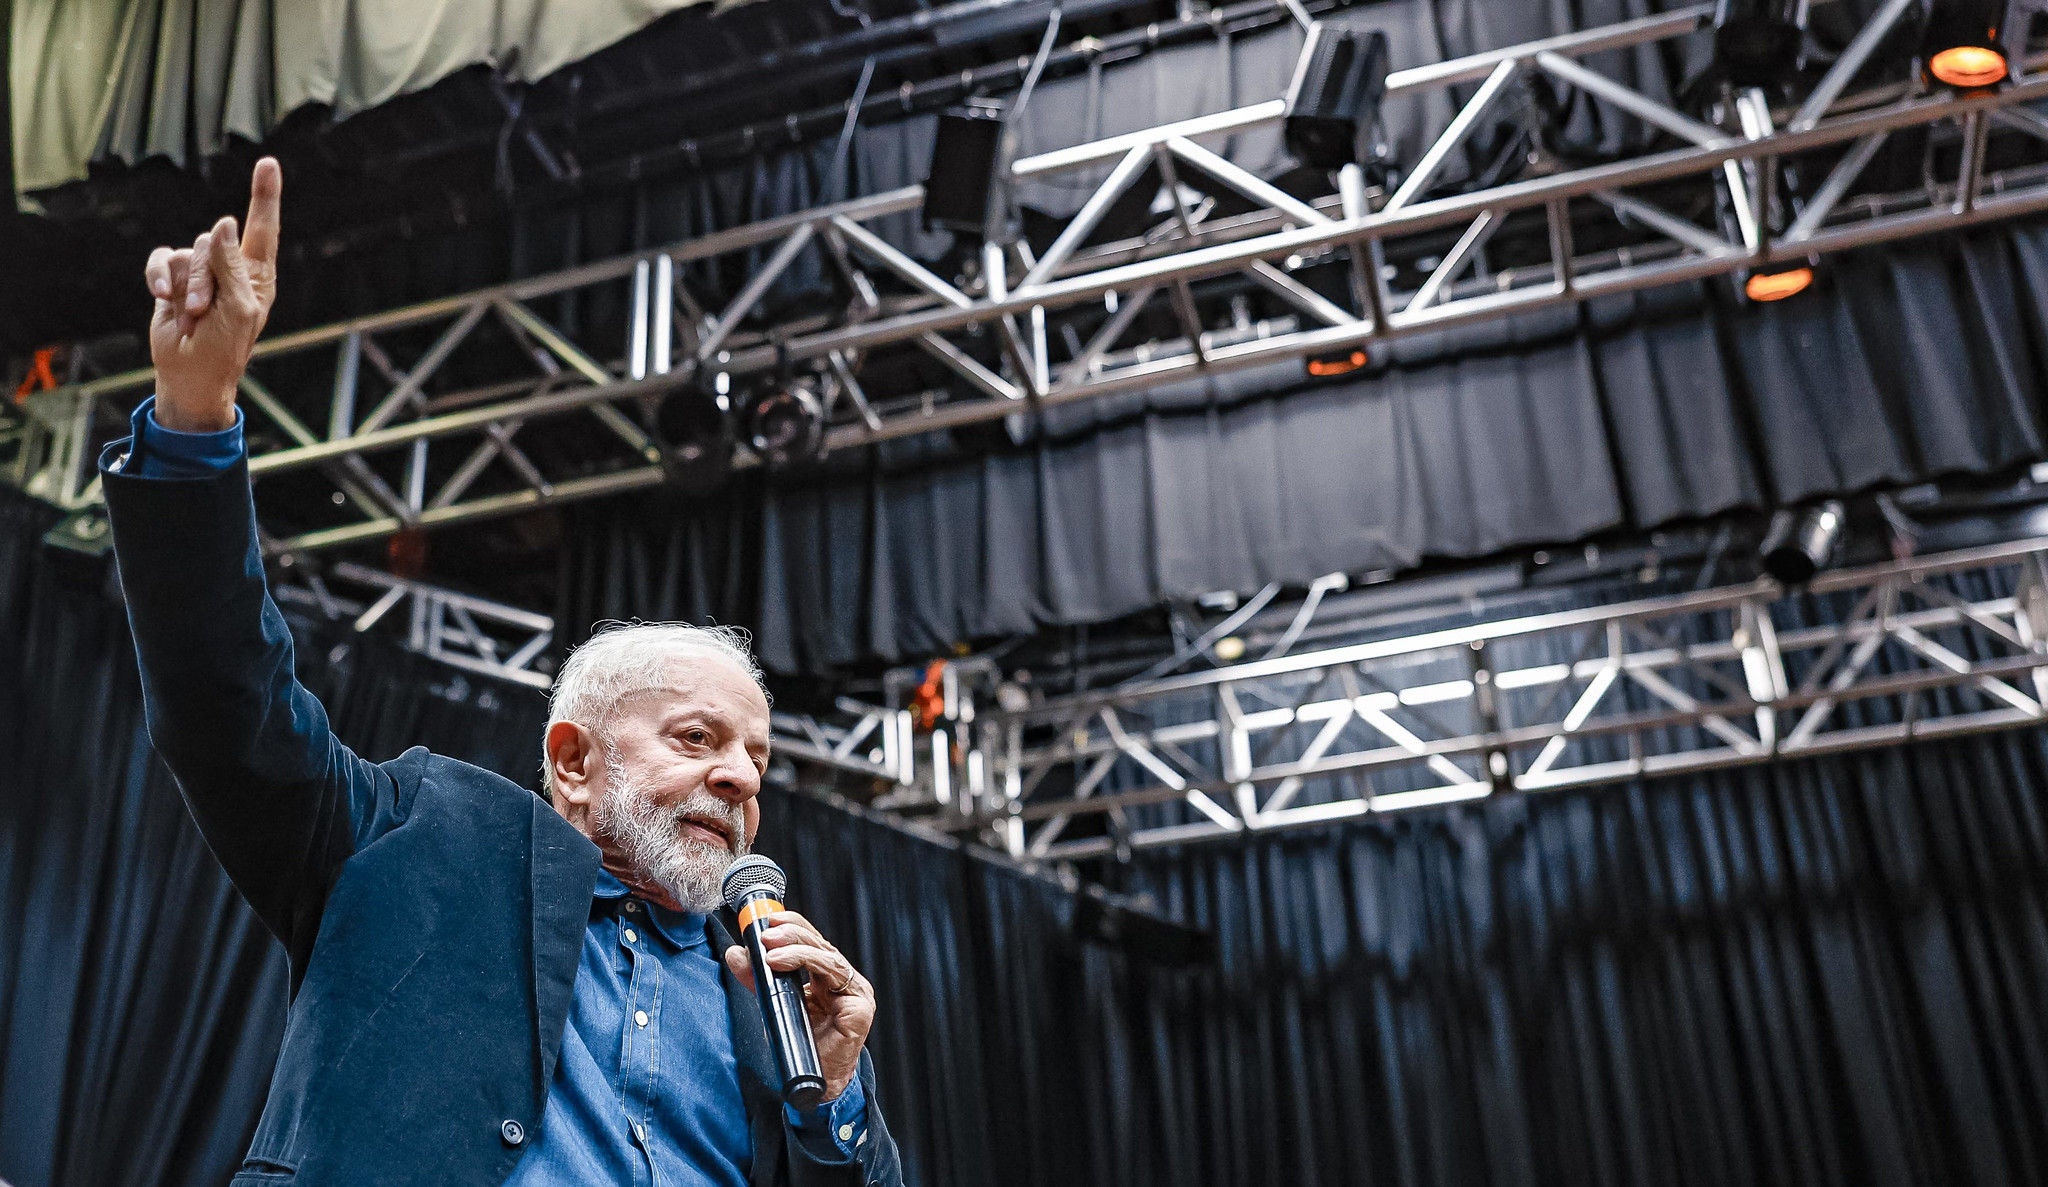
(832, 1132)
(157, 452)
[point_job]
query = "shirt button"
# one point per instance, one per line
(630, 937)
(640, 1132)
(846, 1133)
(632, 905)
(513, 1132)
(640, 1016)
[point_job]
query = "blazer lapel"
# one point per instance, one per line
(565, 865)
(760, 1086)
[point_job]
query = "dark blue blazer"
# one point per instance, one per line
(433, 912)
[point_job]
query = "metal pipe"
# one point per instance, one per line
(1643, 108)
(1844, 70)
(1084, 222)
(1830, 193)
(1453, 136)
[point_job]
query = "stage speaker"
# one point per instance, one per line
(1334, 100)
(964, 192)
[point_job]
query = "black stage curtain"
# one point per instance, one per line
(141, 1002)
(1823, 972)
(1818, 973)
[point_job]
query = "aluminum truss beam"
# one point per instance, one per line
(1688, 683)
(474, 634)
(487, 638)
(401, 458)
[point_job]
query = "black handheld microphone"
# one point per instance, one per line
(753, 889)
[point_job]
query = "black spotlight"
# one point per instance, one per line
(964, 192)
(1757, 41)
(1333, 104)
(1962, 45)
(787, 425)
(1801, 543)
(1784, 279)
(697, 434)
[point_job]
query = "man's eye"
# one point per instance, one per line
(696, 737)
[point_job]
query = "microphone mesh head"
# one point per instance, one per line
(749, 874)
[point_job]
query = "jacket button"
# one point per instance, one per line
(513, 1132)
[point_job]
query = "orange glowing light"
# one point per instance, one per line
(1968, 66)
(1776, 286)
(1323, 368)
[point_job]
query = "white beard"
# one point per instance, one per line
(650, 837)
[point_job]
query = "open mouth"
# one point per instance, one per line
(706, 829)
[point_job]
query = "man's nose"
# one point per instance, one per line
(734, 777)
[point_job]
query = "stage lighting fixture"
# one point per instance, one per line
(1757, 41)
(697, 435)
(1343, 362)
(787, 425)
(1962, 46)
(1776, 281)
(964, 190)
(1776, 286)
(1799, 544)
(1333, 104)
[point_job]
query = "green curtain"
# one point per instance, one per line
(129, 79)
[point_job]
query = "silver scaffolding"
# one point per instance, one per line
(1935, 647)
(1938, 646)
(398, 457)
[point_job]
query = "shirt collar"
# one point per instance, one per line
(679, 928)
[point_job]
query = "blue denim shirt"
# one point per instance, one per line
(646, 1090)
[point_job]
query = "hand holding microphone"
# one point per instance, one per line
(817, 1029)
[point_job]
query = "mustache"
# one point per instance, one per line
(702, 807)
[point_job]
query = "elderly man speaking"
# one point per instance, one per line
(485, 988)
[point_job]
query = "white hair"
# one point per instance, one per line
(623, 658)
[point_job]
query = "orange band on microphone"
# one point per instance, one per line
(755, 910)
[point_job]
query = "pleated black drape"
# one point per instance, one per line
(141, 1002)
(1818, 973)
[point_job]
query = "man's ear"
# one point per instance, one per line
(573, 759)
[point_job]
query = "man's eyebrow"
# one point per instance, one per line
(697, 712)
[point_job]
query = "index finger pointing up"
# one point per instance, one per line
(259, 230)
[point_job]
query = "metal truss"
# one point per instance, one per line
(1946, 645)
(399, 445)
(488, 638)
(474, 634)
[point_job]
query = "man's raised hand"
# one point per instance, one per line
(211, 302)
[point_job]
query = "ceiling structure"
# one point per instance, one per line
(392, 448)
(1234, 271)
(697, 89)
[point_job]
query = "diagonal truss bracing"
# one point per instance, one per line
(487, 638)
(1939, 646)
(400, 445)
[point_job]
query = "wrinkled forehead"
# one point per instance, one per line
(691, 674)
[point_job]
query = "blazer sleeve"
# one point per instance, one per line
(281, 802)
(875, 1162)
